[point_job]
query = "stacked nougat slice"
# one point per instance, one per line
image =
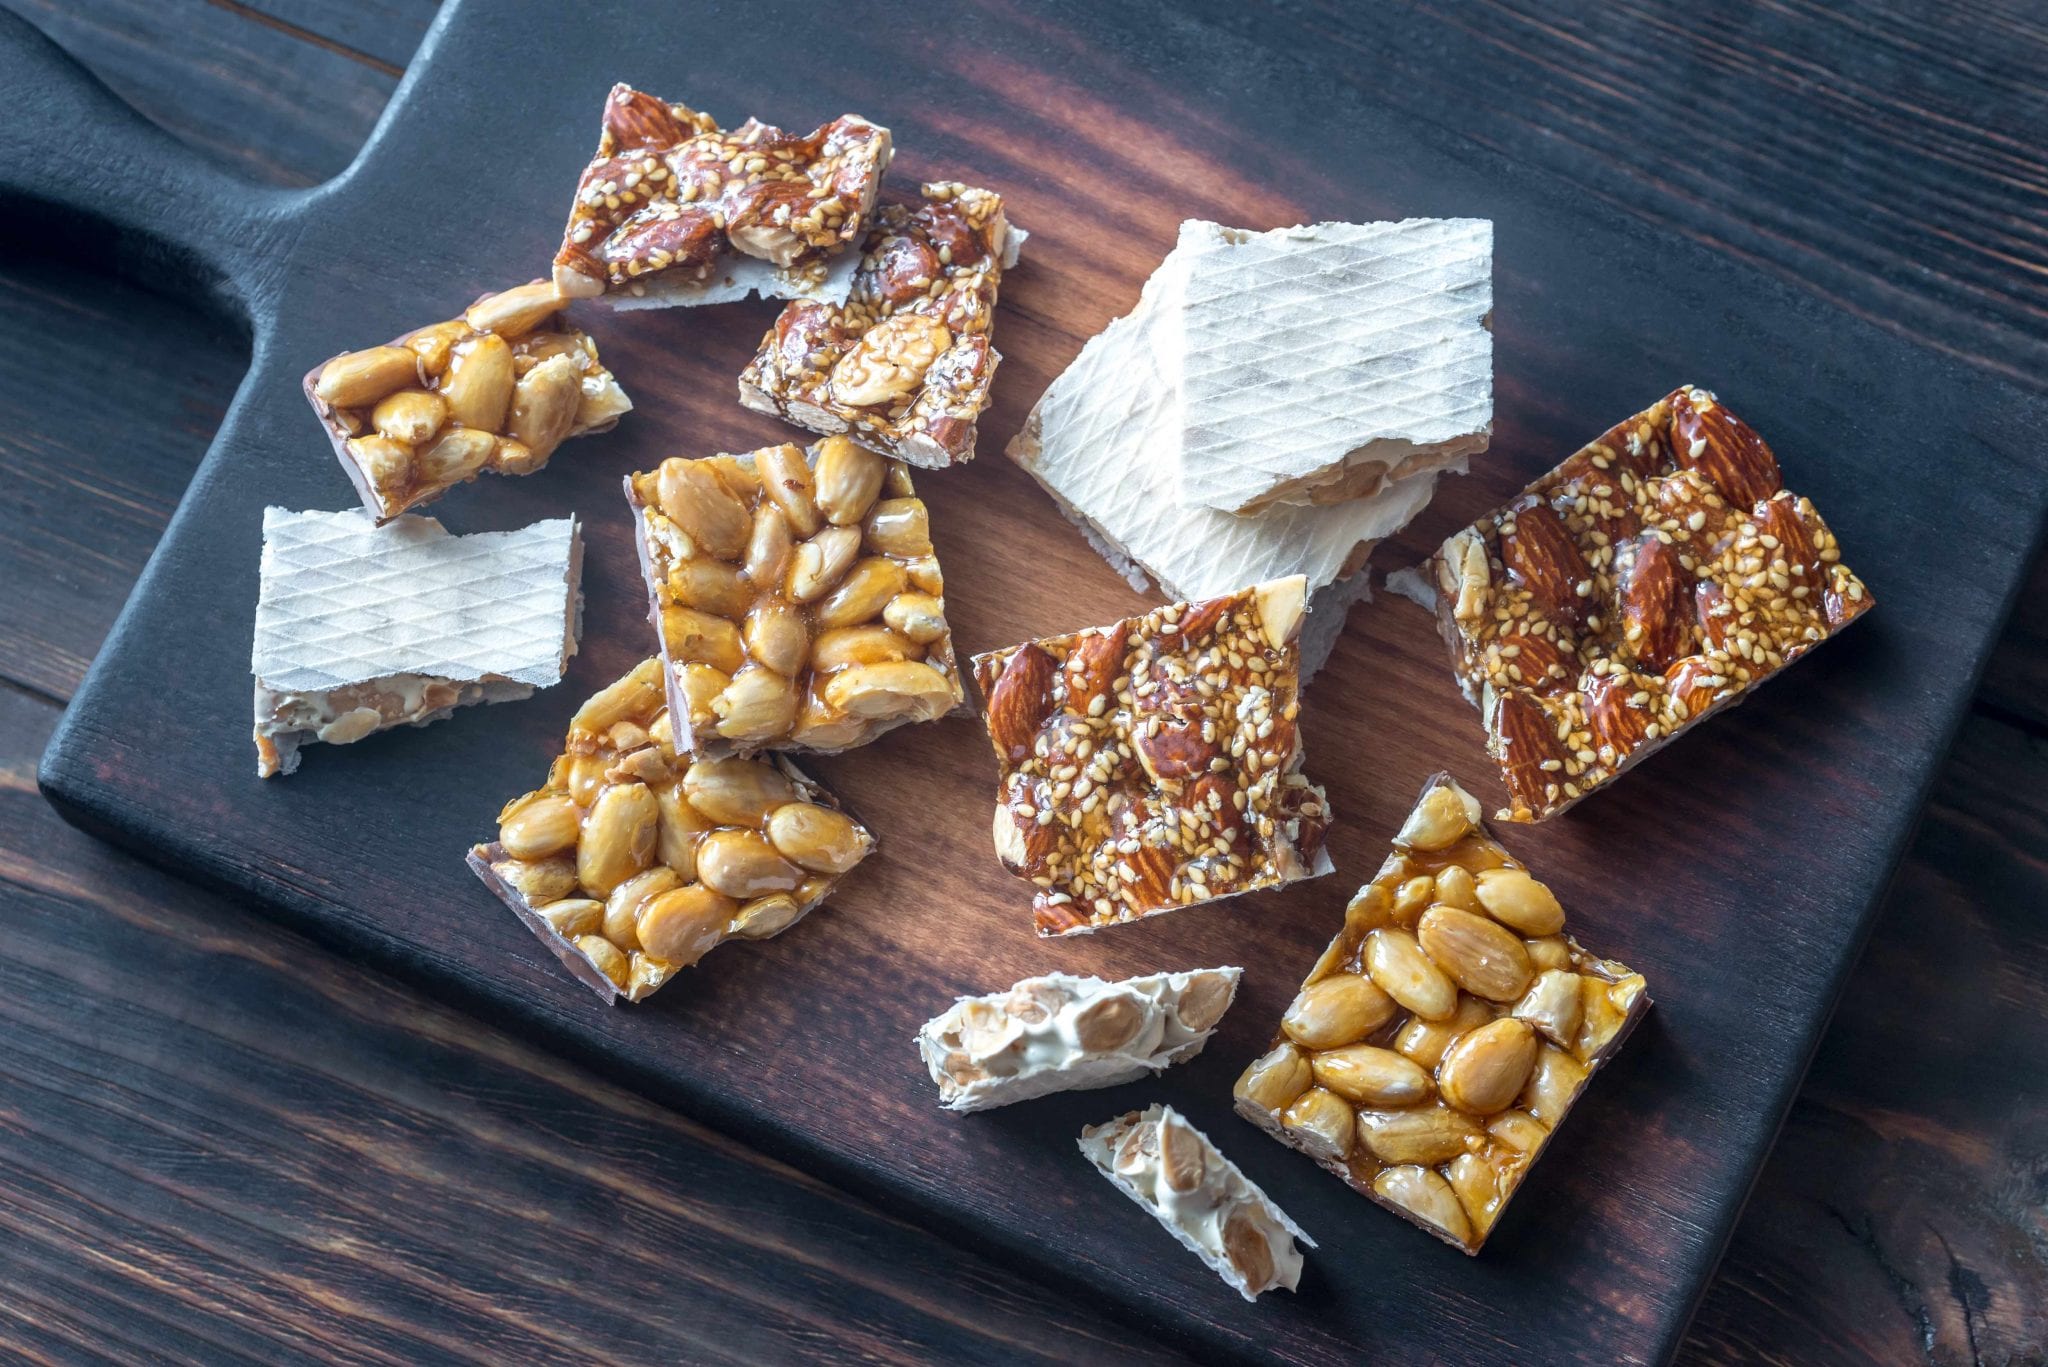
(1275, 404)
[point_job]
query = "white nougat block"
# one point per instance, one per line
(1098, 440)
(361, 627)
(1314, 362)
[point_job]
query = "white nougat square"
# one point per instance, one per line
(1315, 363)
(361, 627)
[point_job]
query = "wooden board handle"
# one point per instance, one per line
(84, 176)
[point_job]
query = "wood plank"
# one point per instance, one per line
(223, 1144)
(2016, 680)
(1750, 1243)
(383, 33)
(1887, 158)
(112, 394)
(1590, 311)
(277, 108)
(1900, 1217)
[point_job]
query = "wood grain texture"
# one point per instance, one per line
(279, 109)
(1901, 1216)
(1658, 1159)
(1886, 158)
(219, 1143)
(92, 481)
(1805, 1281)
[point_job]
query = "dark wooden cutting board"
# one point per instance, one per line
(1737, 870)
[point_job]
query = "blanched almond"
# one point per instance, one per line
(769, 548)
(1420, 1134)
(709, 586)
(363, 377)
(900, 527)
(737, 792)
(538, 826)
(1485, 959)
(900, 688)
(1340, 1009)
(916, 616)
(454, 456)
(758, 705)
(817, 838)
(1518, 901)
(1322, 1123)
(1553, 1006)
(862, 594)
(819, 563)
(1275, 1079)
(692, 635)
(517, 311)
(866, 645)
(618, 839)
(543, 407)
(1370, 1075)
(787, 481)
(478, 387)
(693, 497)
(680, 927)
(636, 696)
(1484, 1071)
(622, 909)
(1425, 1195)
(778, 636)
(1401, 970)
(742, 864)
(410, 415)
(848, 477)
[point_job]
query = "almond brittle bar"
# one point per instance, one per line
(632, 863)
(1155, 763)
(904, 365)
(1440, 1040)
(675, 210)
(1658, 576)
(796, 596)
(1184, 1182)
(497, 389)
(1061, 1033)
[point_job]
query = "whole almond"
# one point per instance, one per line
(1618, 724)
(1539, 552)
(1092, 669)
(1484, 958)
(1724, 449)
(1370, 1075)
(1656, 620)
(1484, 1072)
(1019, 703)
(1524, 741)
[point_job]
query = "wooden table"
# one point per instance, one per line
(220, 1142)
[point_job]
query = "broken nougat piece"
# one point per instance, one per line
(1446, 1031)
(632, 863)
(1061, 1033)
(1173, 1170)
(796, 596)
(675, 210)
(1155, 763)
(361, 627)
(497, 389)
(904, 364)
(1656, 577)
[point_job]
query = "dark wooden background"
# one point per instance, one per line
(223, 1142)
